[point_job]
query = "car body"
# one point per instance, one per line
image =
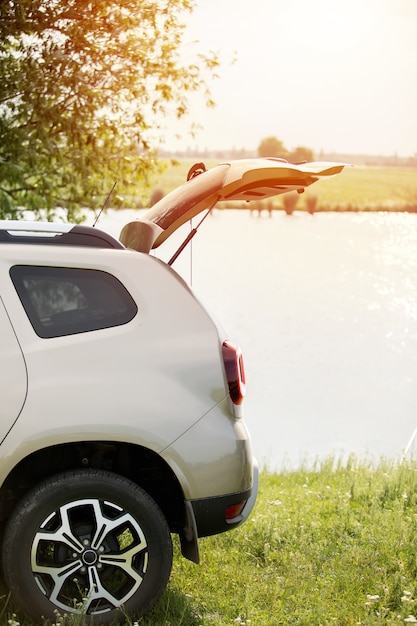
(121, 416)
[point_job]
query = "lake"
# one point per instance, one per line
(325, 310)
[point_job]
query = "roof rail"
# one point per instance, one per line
(55, 233)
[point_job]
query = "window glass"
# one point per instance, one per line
(64, 301)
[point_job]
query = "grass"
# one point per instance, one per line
(355, 189)
(329, 545)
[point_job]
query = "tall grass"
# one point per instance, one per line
(329, 545)
(334, 545)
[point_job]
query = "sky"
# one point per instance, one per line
(332, 75)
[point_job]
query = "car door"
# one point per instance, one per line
(13, 377)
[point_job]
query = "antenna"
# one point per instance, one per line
(106, 203)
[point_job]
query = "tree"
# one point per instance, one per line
(272, 147)
(83, 83)
(301, 154)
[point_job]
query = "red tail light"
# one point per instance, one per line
(235, 372)
(234, 510)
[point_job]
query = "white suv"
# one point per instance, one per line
(121, 413)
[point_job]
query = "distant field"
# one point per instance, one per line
(356, 188)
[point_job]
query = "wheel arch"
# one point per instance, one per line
(139, 464)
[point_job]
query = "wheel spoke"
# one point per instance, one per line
(105, 525)
(97, 593)
(63, 534)
(93, 542)
(58, 575)
(125, 560)
(59, 554)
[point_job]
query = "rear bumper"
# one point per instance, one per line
(207, 516)
(210, 514)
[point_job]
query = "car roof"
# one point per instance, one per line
(15, 231)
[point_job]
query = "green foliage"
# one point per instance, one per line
(83, 84)
(301, 154)
(272, 147)
(289, 202)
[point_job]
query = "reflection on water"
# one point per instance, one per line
(325, 309)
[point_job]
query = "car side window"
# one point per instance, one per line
(65, 301)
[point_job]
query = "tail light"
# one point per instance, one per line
(235, 372)
(234, 510)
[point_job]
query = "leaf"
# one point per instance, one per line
(83, 81)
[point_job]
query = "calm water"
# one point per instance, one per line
(325, 310)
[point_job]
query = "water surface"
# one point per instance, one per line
(325, 310)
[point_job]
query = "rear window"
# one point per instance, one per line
(64, 301)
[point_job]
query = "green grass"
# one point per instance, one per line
(356, 188)
(331, 545)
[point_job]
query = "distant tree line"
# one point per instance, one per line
(273, 147)
(277, 149)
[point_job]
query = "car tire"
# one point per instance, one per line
(87, 541)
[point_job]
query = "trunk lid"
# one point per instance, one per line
(242, 179)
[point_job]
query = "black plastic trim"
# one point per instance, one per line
(210, 513)
(77, 236)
